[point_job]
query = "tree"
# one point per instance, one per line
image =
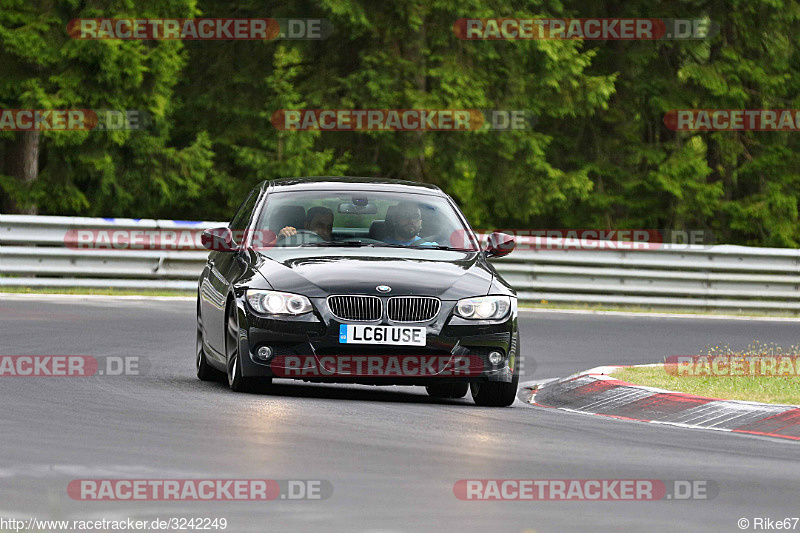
(92, 172)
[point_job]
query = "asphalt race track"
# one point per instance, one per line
(391, 454)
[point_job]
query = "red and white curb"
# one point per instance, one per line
(596, 392)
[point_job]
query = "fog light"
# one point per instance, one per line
(264, 353)
(495, 358)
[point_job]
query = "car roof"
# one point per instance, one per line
(338, 183)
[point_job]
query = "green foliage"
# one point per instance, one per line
(108, 173)
(598, 156)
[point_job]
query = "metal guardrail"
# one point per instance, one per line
(703, 278)
(33, 253)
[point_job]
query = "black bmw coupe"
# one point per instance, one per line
(357, 280)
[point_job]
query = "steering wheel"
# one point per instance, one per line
(302, 236)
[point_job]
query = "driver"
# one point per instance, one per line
(318, 219)
(403, 222)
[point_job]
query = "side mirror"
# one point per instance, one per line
(218, 240)
(499, 244)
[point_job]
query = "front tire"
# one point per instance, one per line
(495, 393)
(236, 381)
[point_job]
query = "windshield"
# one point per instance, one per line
(364, 219)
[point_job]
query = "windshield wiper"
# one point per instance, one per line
(360, 244)
(339, 243)
(440, 247)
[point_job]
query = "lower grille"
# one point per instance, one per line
(364, 350)
(358, 308)
(412, 308)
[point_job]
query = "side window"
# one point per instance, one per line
(242, 216)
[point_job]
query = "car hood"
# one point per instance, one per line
(320, 272)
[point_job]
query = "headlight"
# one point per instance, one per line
(484, 307)
(277, 303)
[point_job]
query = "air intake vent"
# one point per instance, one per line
(357, 308)
(413, 308)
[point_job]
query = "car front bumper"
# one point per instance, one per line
(314, 338)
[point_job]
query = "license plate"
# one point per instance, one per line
(391, 335)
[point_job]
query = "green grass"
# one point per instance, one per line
(104, 292)
(782, 390)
